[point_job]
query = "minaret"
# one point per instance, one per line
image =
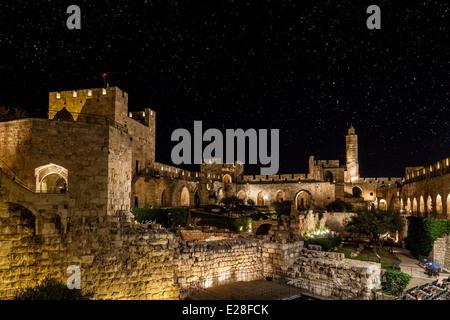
(352, 173)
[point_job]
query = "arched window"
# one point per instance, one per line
(226, 178)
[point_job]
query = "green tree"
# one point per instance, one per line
(281, 208)
(232, 202)
(375, 224)
(339, 205)
(395, 281)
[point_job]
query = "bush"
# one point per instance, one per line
(326, 243)
(395, 281)
(423, 232)
(339, 205)
(52, 289)
(145, 215)
(221, 222)
(281, 208)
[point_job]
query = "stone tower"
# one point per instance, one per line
(352, 173)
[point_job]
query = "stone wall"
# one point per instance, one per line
(278, 257)
(210, 263)
(115, 262)
(441, 252)
(330, 274)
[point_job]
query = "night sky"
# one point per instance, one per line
(309, 69)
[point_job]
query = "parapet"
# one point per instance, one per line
(419, 173)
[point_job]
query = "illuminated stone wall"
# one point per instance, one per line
(330, 274)
(211, 263)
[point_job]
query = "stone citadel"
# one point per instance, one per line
(69, 183)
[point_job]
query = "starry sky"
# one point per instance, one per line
(307, 68)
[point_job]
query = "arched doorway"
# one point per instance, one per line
(219, 195)
(241, 195)
(226, 179)
(281, 196)
(185, 197)
(448, 203)
(303, 200)
(53, 183)
(51, 178)
(327, 176)
(414, 205)
(401, 205)
(408, 205)
(261, 198)
(421, 205)
(164, 201)
(356, 192)
(383, 204)
(196, 199)
(263, 229)
(439, 204)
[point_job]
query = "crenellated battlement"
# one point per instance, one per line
(419, 173)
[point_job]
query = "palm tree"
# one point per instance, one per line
(4, 113)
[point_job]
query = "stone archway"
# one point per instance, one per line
(261, 198)
(383, 204)
(53, 183)
(408, 205)
(356, 192)
(242, 195)
(226, 178)
(429, 204)
(421, 206)
(438, 204)
(281, 196)
(164, 198)
(328, 176)
(303, 200)
(196, 199)
(448, 203)
(51, 178)
(185, 201)
(414, 207)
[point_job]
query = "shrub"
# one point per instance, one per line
(52, 289)
(339, 205)
(221, 222)
(326, 243)
(395, 281)
(144, 215)
(423, 232)
(281, 208)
